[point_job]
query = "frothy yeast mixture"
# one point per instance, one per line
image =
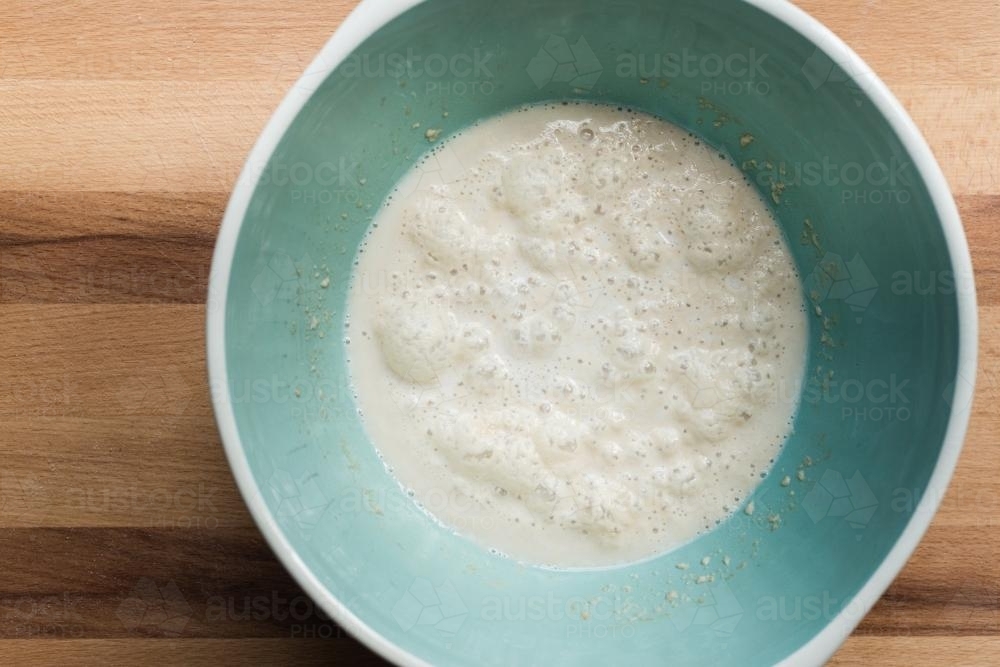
(573, 330)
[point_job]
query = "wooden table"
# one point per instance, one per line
(122, 128)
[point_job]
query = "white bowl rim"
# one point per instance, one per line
(368, 17)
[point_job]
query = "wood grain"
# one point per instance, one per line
(167, 582)
(183, 652)
(106, 247)
(123, 126)
(909, 651)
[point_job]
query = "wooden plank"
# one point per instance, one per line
(186, 652)
(909, 651)
(858, 651)
(951, 586)
(116, 247)
(171, 471)
(210, 41)
(154, 472)
(144, 420)
(198, 135)
(106, 247)
(69, 360)
(164, 583)
(948, 115)
(911, 42)
(184, 40)
(224, 583)
(191, 144)
(194, 136)
(981, 218)
(51, 216)
(109, 268)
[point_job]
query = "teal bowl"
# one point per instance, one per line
(870, 222)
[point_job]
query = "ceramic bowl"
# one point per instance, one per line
(869, 220)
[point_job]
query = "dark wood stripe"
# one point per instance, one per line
(186, 652)
(106, 270)
(225, 583)
(101, 247)
(122, 582)
(981, 218)
(92, 214)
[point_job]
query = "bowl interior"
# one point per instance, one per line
(860, 223)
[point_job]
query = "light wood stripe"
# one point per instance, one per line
(908, 651)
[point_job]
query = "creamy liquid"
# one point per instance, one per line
(574, 334)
